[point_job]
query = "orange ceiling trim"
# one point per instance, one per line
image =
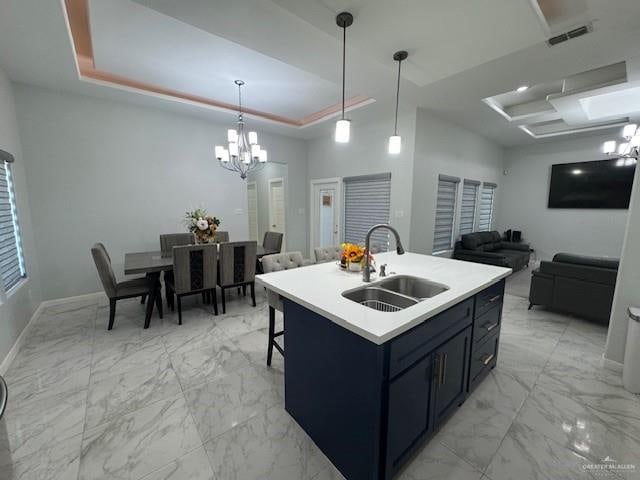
(78, 17)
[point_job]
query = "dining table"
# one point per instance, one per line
(152, 264)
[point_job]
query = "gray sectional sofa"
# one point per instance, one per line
(488, 247)
(576, 284)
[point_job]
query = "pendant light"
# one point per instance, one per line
(343, 126)
(395, 140)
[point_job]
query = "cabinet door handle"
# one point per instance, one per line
(487, 359)
(490, 327)
(443, 369)
(493, 299)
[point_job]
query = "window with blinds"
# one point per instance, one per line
(367, 202)
(485, 214)
(445, 213)
(468, 206)
(11, 260)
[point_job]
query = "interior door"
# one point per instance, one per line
(326, 209)
(252, 210)
(277, 208)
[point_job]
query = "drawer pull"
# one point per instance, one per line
(487, 359)
(490, 327)
(493, 299)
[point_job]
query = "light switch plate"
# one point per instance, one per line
(239, 211)
(399, 213)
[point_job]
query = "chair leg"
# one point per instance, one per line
(238, 290)
(214, 300)
(253, 292)
(143, 299)
(159, 301)
(244, 290)
(112, 312)
(179, 309)
(272, 331)
(224, 303)
(530, 306)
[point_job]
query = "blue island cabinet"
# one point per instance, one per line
(370, 407)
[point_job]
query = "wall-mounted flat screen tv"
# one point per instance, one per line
(597, 184)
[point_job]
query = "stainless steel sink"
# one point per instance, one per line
(414, 287)
(380, 299)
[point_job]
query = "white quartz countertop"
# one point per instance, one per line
(319, 288)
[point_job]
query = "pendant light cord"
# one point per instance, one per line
(395, 128)
(344, 54)
(240, 99)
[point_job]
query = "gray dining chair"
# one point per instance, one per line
(195, 270)
(272, 242)
(237, 268)
(170, 240)
(277, 263)
(327, 254)
(222, 236)
(137, 287)
(167, 242)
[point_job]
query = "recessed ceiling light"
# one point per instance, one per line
(522, 88)
(576, 171)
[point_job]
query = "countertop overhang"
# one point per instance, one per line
(319, 288)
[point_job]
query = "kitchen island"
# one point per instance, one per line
(372, 370)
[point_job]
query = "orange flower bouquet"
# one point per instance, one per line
(353, 256)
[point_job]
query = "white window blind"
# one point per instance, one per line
(485, 215)
(445, 213)
(367, 202)
(12, 268)
(468, 206)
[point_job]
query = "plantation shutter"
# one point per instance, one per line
(445, 213)
(367, 202)
(486, 206)
(11, 261)
(468, 207)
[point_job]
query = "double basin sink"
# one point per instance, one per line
(395, 293)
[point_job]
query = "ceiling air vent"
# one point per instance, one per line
(576, 32)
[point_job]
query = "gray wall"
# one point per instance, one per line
(17, 308)
(100, 170)
(366, 153)
(444, 148)
(523, 204)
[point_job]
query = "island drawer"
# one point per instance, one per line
(486, 323)
(419, 341)
(483, 358)
(489, 298)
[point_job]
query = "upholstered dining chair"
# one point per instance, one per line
(195, 270)
(222, 236)
(167, 242)
(276, 263)
(272, 242)
(327, 254)
(170, 240)
(137, 287)
(237, 268)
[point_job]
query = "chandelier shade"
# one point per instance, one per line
(242, 155)
(629, 149)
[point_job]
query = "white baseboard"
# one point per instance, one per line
(77, 298)
(611, 364)
(4, 366)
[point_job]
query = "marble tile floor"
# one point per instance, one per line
(197, 402)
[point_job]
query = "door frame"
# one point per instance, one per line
(284, 208)
(312, 226)
(257, 223)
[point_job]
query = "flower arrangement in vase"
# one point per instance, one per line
(353, 257)
(202, 225)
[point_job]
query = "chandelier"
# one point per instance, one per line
(242, 156)
(628, 151)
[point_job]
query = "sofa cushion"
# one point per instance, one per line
(600, 262)
(472, 241)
